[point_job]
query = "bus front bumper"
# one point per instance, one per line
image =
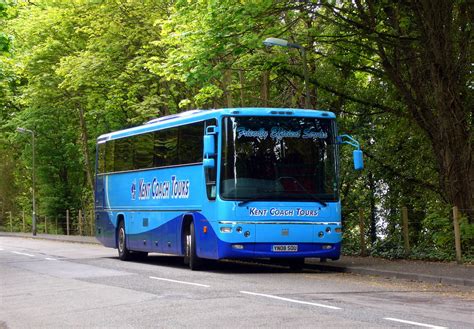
(278, 250)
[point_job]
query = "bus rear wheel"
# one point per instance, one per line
(123, 252)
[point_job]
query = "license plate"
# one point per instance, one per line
(285, 248)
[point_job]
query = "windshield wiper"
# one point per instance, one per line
(307, 193)
(264, 197)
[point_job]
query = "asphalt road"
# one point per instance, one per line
(50, 284)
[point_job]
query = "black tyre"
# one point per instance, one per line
(195, 263)
(123, 252)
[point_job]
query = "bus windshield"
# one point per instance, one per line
(278, 158)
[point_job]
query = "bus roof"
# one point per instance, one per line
(201, 115)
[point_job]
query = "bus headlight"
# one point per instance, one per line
(226, 229)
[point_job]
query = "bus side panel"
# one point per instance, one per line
(167, 237)
(153, 203)
(99, 192)
(163, 236)
(153, 231)
(105, 228)
(206, 238)
(160, 235)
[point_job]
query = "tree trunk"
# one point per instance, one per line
(242, 83)
(265, 88)
(85, 150)
(455, 157)
(227, 81)
(373, 218)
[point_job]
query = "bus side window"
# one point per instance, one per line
(211, 173)
(109, 156)
(166, 148)
(123, 155)
(101, 158)
(190, 143)
(143, 151)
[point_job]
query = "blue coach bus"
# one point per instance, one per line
(223, 184)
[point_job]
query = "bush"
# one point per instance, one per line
(434, 240)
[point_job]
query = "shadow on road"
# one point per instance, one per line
(229, 266)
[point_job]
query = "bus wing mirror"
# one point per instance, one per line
(209, 141)
(357, 154)
(358, 158)
(212, 130)
(209, 146)
(209, 163)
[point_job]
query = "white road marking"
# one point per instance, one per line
(22, 253)
(291, 300)
(415, 323)
(47, 258)
(182, 282)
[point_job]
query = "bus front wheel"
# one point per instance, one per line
(187, 247)
(195, 262)
(123, 252)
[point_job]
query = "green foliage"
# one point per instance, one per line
(432, 239)
(84, 58)
(207, 94)
(437, 242)
(467, 240)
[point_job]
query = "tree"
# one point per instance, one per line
(9, 82)
(83, 70)
(425, 50)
